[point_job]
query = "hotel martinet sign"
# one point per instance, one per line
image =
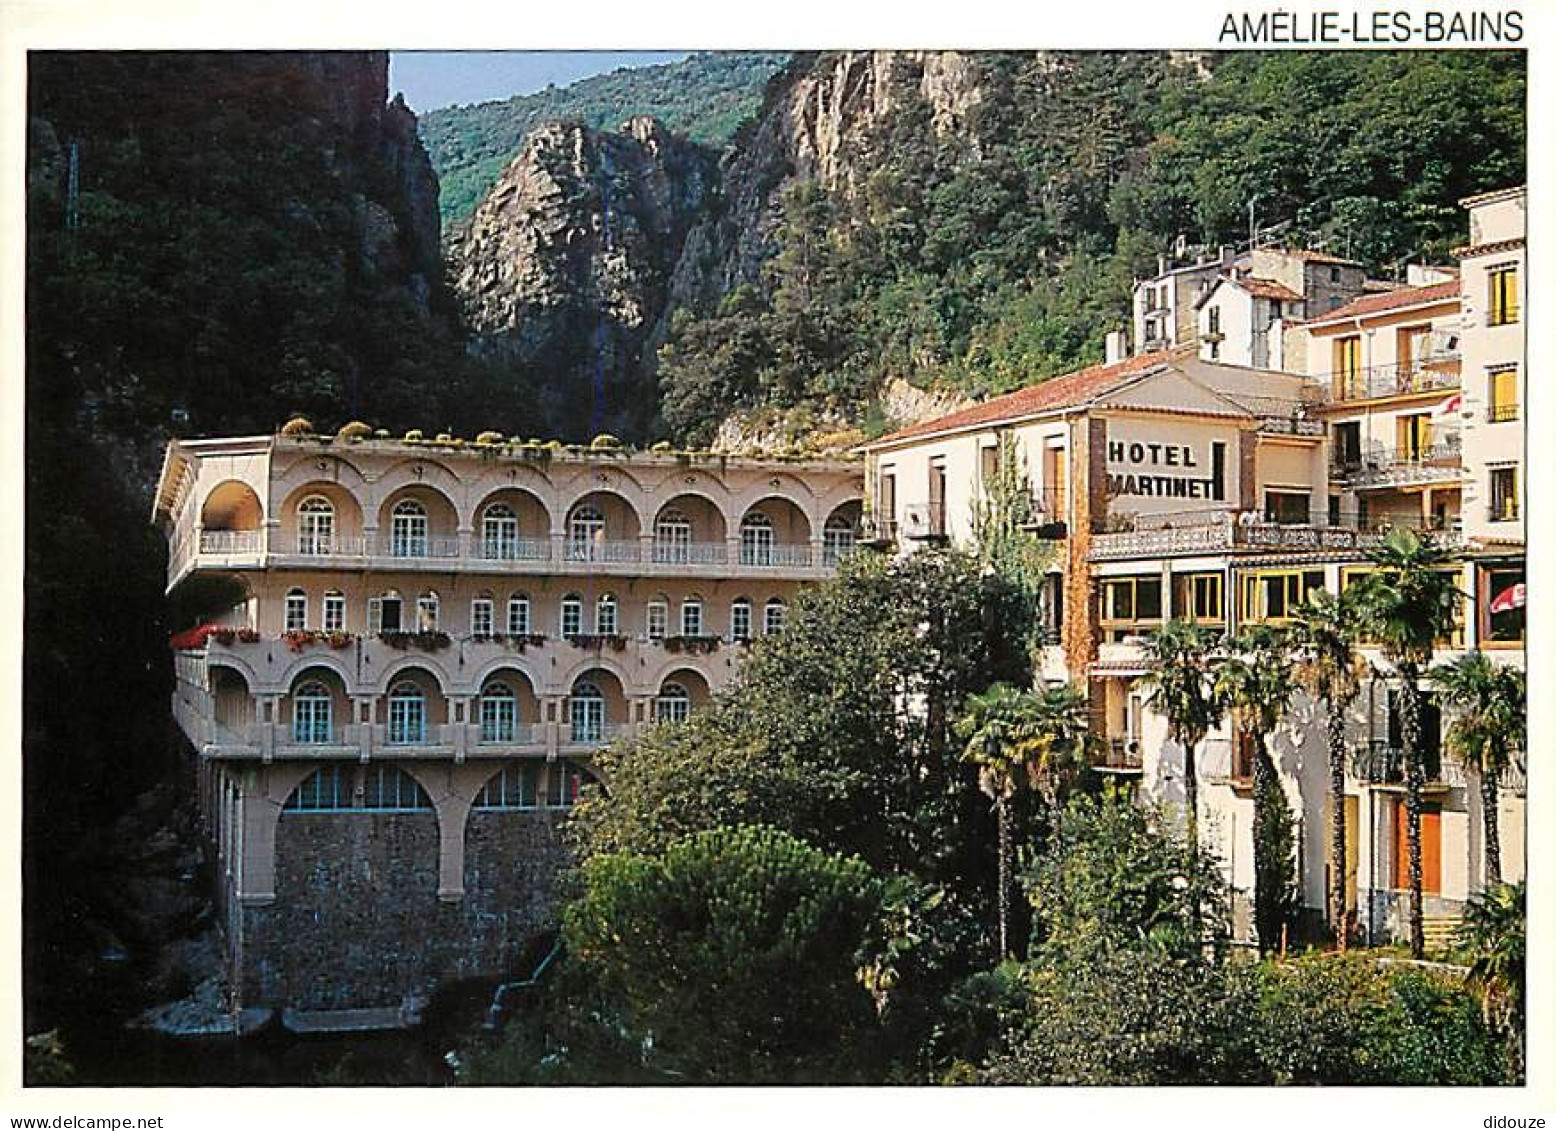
(1160, 471)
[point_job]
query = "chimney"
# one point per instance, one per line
(1117, 347)
(1161, 265)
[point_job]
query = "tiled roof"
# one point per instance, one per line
(1494, 194)
(1390, 300)
(1269, 288)
(1068, 390)
(1320, 257)
(1489, 248)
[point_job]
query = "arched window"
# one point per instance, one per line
(334, 611)
(481, 615)
(408, 530)
(518, 615)
(328, 787)
(756, 540)
(296, 610)
(672, 537)
(499, 713)
(564, 781)
(740, 618)
(658, 618)
(312, 713)
(572, 616)
(315, 525)
(512, 787)
(585, 532)
(837, 540)
(691, 616)
(673, 704)
(606, 621)
(773, 615)
(389, 789)
(500, 532)
(407, 715)
(427, 612)
(586, 706)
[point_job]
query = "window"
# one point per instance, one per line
(773, 615)
(658, 618)
(328, 787)
(334, 611)
(673, 705)
(1414, 433)
(383, 613)
(1199, 597)
(296, 611)
(1412, 345)
(586, 709)
(1347, 444)
(740, 619)
(1214, 314)
(1131, 599)
(312, 713)
(407, 715)
(499, 713)
(1502, 401)
(315, 525)
(1288, 508)
(886, 503)
(1334, 274)
(1504, 494)
(572, 616)
(1347, 367)
(481, 617)
(691, 616)
(837, 537)
(518, 615)
(1276, 595)
(1502, 596)
(585, 532)
(605, 619)
(408, 530)
(389, 789)
(1214, 335)
(564, 782)
(672, 537)
(1502, 299)
(756, 540)
(512, 787)
(500, 532)
(427, 612)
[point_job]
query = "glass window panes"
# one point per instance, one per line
(691, 617)
(328, 787)
(673, 705)
(334, 611)
(407, 715)
(773, 615)
(658, 618)
(837, 537)
(586, 707)
(500, 532)
(572, 616)
(391, 789)
(672, 537)
(740, 619)
(585, 531)
(312, 713)
(315, 525)
(427, 612)
(564, 782)
(499, 713)
(605, 619)
(512, 787)
(756, 540)
(481, 616)
(408, 530)
(296, 610)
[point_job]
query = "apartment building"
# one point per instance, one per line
(1172, 486)
(413, 652)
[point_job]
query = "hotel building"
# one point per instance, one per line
(413, 652)
(1175, 486)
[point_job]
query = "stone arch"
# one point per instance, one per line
(624, 517)
(348, 510)
(791, 531)
(694, 681)
(613, 690)
(317, 659)
(395, 669)
(342, 709)
(443, 514)
(526, 697)
(591, 479)
(232, 505)
(528, 504)
(238, 667)
(433, 474)
(709, 517)
(322, 467)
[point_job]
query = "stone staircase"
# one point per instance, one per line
(1440, 931)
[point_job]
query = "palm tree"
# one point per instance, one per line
(1016, 738)
(1254, 682)
(1408, 603)
(1179, 689)
(1325, 632)
(1489, 703)
(1493, 931)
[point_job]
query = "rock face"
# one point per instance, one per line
(566, 264)
(821, 122)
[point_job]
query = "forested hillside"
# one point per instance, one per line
(705, 98)
(991, 255)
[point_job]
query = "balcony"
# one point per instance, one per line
(1118, 756)
(1202, 532)
(1378, 762)
(1393, 467)
(1430, 374)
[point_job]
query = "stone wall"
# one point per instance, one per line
(357, 923)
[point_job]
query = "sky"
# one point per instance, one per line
(431, 80)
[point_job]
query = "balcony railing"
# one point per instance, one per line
(1380, 466)
(1501, 413)
(515, 550)
(231, 541)
(1122, 536)
(1379, 762)
(529, 551)
(1374, 381)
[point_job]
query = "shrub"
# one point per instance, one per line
(297, 426)
(355, 430)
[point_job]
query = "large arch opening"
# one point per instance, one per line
(230, 519)
(418, 522)
(690, 529)
(512, 524)
(602, 526)
(316, 709)
(596, 708)
(775, 532)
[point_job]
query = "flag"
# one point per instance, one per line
(1450, 407)
(1509, 599)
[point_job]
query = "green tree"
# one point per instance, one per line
(1003, 514)
(735, 954)
(1325, 632)
(1408, 603)
(1489, 703)
(1021, 738)
(1493, 932)
(1254, 682)
(1180, 688)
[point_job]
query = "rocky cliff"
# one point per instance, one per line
(564, 269)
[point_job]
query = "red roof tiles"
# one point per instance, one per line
(1390, 300)
(1065, 391)
(1268, 288)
